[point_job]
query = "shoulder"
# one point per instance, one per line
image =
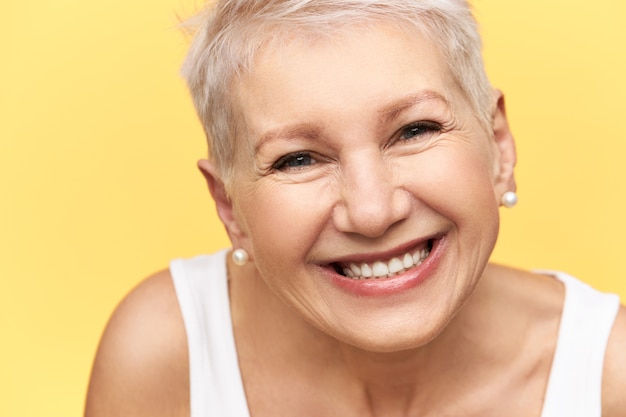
(614, 378)
(141, 367)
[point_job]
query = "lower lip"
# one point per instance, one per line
(398, 283)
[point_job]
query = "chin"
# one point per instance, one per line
(396, 336)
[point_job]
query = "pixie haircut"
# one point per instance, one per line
(229, 33)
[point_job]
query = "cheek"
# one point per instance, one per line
(456, 183)
(284, 219)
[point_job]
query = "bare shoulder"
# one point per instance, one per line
(614, 379)
(141, 368)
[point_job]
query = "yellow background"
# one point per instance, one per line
(98, 186)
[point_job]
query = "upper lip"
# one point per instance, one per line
(397, 251)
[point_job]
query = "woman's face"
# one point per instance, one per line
(368, 197)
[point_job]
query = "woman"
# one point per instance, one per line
(358, 159)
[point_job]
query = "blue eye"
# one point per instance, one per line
(294, 161)
(419, 129)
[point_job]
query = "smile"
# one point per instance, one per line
(385, 268)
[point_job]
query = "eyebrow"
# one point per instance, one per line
(303, 130)
(386, 114)
(390, 112)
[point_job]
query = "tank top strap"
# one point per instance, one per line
(575, 383)
(216, 388)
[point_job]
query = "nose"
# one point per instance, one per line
(371, 200)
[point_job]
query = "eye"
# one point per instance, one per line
(419, 129)
(294, 161)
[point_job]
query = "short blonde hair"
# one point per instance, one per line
(229, 33)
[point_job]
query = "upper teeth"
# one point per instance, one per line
(383, 269)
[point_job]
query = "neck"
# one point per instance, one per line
(425, 377)
(385, 383)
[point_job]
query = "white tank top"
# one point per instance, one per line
(216, 387)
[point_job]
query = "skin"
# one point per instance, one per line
(332, 169)
(371, 194)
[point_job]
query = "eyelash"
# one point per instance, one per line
(303, 159)
(284, 162)
(423, 128)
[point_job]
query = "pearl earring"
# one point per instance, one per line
(240, 257)
(509, 199)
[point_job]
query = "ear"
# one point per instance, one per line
(504, 162)
(223, 203)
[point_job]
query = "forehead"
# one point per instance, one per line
(365, 69)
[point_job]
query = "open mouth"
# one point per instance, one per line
(385, 268)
